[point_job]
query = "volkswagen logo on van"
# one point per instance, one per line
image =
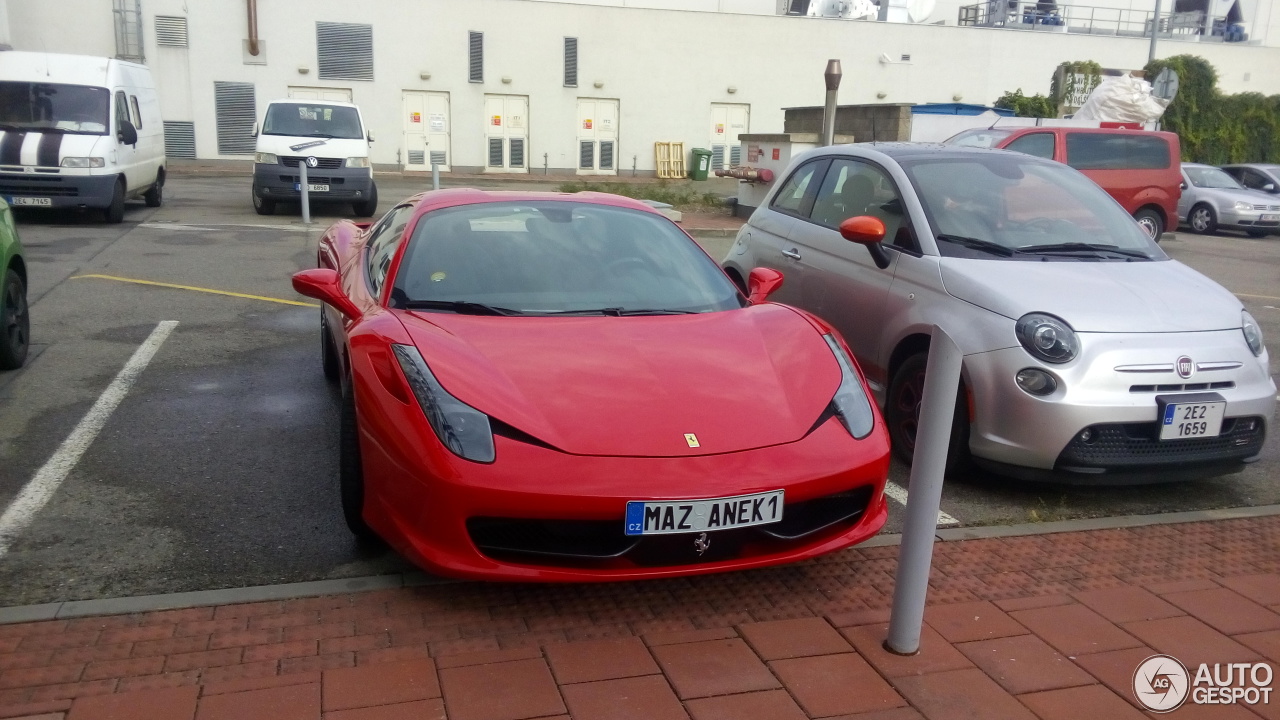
(1185, 367)
(312, 161)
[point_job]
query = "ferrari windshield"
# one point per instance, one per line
(1210, 177)
(1009, 206)
(557, 257)
(78, 109)
(317, 120)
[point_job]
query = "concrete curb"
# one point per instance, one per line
(289, 591)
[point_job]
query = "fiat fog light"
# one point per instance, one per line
(1047, 338)
(1035, 381)
(1252, 333)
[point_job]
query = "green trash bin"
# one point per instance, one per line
(701, 166)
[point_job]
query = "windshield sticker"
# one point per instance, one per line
(305, 145)
(437, 276)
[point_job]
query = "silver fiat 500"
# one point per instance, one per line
(1089, 354)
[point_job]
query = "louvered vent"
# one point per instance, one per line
(717, 156)
(606, 154)
(179, 139)
(517, 152)
(171, 31)
(586, 155)
(495, 152)
(735, 155)
(346, 51)
(438, 157)
(571, 62)
(235, 110)
(417, 157)
(475, 54)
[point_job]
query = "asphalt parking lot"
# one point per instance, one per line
(218, 467)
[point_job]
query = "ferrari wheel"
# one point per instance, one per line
(328, 356)
(350, 471)
(902, 415)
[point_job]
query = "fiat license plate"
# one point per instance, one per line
(39, 202)
(1184, 420)
(311, 187)
(646, 517)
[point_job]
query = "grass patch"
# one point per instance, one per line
(684, 196)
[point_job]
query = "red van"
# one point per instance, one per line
(1139, 168)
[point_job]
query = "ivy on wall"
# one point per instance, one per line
(1215, 128)
(1037, 106)
(1081, 76)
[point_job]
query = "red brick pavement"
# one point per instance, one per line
(1048, 626)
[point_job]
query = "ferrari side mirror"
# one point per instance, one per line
(762, 283)
(324, 285)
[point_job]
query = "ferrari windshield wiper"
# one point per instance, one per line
(1075, 247)
(978, 244)
(461, 307)
(623, 312)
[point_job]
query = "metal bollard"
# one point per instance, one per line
(306, 197)
(933, 436)
(435, 176)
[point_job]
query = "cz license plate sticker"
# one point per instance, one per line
(37, 201)
(1182, 421)
(685, 516)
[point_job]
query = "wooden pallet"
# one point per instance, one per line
(669, 160)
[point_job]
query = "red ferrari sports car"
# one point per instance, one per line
(565, 387)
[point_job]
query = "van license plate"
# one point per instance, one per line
(686, 516)
(40, 202)
(311, 187)
(1183, 421)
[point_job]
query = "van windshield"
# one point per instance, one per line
(80, 109)
(321, 121)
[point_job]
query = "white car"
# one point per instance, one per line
(1089, 355)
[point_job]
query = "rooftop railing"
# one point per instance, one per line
(1098, 21)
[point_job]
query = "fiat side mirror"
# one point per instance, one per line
(869, 232)
(762, 283)
(324, 285)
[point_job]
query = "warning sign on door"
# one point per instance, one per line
(586, 124)
(497, 120)
(437, 123)
(415, 117)
(719, 128)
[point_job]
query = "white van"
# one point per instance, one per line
(330, 137)
(79, 132)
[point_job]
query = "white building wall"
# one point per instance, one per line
(666, 68)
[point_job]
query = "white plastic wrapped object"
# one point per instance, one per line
(1122, 99)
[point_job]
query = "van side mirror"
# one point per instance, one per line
(255, 130)
(761, 283)
(127, 134)
(368, 136)
(868, 231)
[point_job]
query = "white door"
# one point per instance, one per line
(426, 130)
(506, 133)
(301, 92)
(597, 136)
(728, 121)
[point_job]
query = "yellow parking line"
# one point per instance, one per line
(193, 288)
(1260, 297)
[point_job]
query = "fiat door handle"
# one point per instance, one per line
(792, 253)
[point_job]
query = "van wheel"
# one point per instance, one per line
(15, 323)
(1203, 219)
(1150, 222)
(155, 195)
(902, 415)
(114, 212)
(263, 206)
(370, 206)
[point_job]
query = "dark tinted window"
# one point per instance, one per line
(1038, 144)
(42, 106)
(852, 188)
(1104, 151)
(320, 121)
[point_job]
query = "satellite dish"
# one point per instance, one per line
(920, 10)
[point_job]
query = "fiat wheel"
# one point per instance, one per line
(902, 415)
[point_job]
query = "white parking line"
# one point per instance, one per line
(899, 493)
(41, 488)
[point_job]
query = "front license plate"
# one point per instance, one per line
(1192, 420)
(311, 187)
(40, 202)
(1270, 218)
(685, 516)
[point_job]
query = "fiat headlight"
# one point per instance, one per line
(1252, 333)
(460, 427)
(1047, 338)
(266, 158)
(850, 401)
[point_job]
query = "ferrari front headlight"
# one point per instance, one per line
(460, 427)
(850, 401)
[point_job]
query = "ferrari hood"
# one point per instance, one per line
(652, 386)
(1114, 297)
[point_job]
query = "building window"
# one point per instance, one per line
(235, 110)
(475, 52)
(345, 50)
(571, 62)
(171, 31)
(128, 29)
(179, 139)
